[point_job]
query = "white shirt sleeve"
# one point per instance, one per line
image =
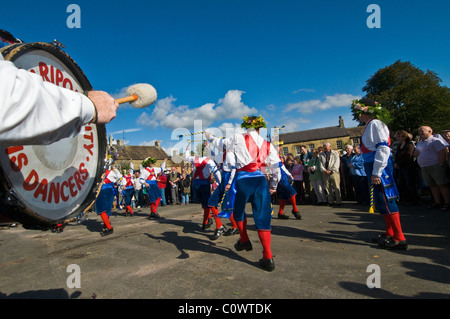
(36, 112)
(376, 138)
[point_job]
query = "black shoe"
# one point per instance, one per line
(154, 216)
(297, 214)
(231, 231)
(267, 264)
(396, 245)
(107, 231)
(239, 246)
(206, 226)
(282, 216)
(380, 239)
(218, 232)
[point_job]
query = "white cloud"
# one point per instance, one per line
(166, 114)
(334, 101)
(303, 90)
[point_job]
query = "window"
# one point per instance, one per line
(339, 145)
(311, 147)
(297, 149)
(285, 151)
(355, 141)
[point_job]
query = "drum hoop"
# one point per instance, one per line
(12, 207)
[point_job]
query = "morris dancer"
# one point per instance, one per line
(252, 151)
(128, 192)
(378, 164)
(201, 182)
(225, 192)
(286, 192)
(105, 199)
(148, 179)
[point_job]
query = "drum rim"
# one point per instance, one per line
(15, 209)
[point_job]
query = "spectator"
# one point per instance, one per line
(185, 187)
(138, 194)
(329, 166)
(405, 164)
(305, 157)
(347, 174)
(431, 155)
(297, 174)
(162, 183)
(315, 176)
(173, 179)
(360, 181)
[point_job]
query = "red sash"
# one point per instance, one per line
(258, 155)
(107, 181)
(152, 173)
(199, 169)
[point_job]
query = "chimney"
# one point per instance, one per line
(341, 121)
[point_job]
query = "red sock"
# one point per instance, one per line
(389, 229)
(105, 219)
(130, 210)
(264, 237)
(233, 222)
(242, 226)
(282, 204)
(206, 215)
(158, 200)
(294, 204)
(152, 207)
(397, 227)
(215, 212)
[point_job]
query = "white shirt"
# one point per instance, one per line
(150, 173)
(36, 112)
(376, 133)
(208, 169)
(236, 143)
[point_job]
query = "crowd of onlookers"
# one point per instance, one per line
(421, 169)
(324, 176)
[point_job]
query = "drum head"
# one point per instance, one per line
(46, 185)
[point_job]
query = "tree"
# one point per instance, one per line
(413, 97)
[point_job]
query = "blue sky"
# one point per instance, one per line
(297, 63)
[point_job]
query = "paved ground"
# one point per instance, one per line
(325, 255)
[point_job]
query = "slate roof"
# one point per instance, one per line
(141, 152)
(320, 134)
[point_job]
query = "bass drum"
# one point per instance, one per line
(47, 186)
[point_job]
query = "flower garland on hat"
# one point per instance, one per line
(148, 161)
(367, 106)
(253, 122)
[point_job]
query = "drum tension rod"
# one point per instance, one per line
(58, 44)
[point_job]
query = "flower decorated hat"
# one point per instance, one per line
(254, 122)
(148, 161)
(368, 106)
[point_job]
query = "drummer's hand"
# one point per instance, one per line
(106, 106)
(227, 187)
(272, 191)
(376, 180)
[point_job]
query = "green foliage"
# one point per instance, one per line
(413, 97)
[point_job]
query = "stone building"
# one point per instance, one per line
(338, 136)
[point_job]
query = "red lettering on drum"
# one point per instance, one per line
(63, 195)
(27, 185)
(17, 162)
(54, 75)
(41, 189)
(53, 192)
(84, 172)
